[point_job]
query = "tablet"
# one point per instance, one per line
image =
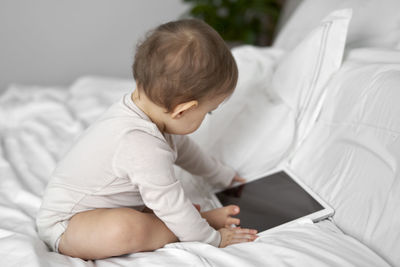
(272, 201)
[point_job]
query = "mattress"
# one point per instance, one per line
(38, 124)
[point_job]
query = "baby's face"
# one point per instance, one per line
(193, 118)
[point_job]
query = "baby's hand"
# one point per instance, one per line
(238, 179)
(235, 235)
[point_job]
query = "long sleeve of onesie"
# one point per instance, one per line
(195, 160)
(148, 162)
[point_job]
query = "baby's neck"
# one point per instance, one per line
(149, 108)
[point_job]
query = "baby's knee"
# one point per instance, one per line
(129, 230)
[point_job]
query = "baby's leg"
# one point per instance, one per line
(219, 217)
(103, 233)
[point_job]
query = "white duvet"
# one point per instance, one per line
(37, 125)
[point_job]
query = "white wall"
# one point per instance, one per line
(53, 42)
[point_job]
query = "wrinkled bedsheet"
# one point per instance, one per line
(38, 124)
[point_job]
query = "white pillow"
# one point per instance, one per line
(375, 23)
(248, 132)
(252, 131)
(300, 77)
(351, 157)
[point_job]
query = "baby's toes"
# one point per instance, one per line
(232, 209)
(231, 220)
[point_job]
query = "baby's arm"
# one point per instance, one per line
(148, 162)
(195, 160)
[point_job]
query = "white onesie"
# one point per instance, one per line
(123, 160)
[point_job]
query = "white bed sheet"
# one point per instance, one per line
(37, 125)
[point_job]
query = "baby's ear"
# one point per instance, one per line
(180, 109)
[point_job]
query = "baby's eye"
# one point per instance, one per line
(209, 113)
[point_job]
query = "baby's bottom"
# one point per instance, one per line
(103, 233)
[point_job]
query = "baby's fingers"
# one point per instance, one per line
(243, 235)
(242, 240)
(239, 230)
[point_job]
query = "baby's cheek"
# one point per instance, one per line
(194, 125)
(201, 121)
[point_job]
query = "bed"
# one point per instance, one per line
(323, 98)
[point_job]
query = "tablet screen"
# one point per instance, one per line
(269, 201)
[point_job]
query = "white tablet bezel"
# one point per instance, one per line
(326, 212)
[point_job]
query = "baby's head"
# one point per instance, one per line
(183, 70)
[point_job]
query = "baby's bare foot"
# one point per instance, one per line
(221, 217)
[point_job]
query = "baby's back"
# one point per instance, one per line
(89, 161)
(86, 178)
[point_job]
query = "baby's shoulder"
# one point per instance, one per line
(144, 138)
(125, 125)
(143, 149)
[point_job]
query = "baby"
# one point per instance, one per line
(115, 192)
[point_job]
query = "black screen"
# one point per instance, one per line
(269, 201)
